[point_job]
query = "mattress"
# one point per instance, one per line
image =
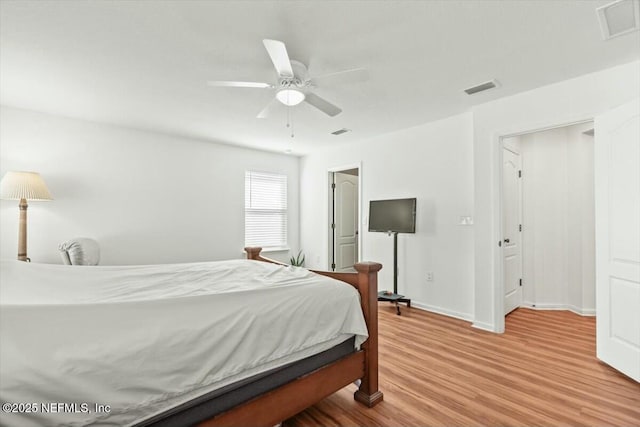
(118, 345)
(218, 401)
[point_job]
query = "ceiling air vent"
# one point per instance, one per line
(340, 131)
(481, 87)
(618, 18)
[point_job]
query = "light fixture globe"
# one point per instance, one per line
(290, 97)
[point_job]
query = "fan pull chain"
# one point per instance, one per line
(290, 121)
(291, 125)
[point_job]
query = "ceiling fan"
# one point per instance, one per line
(294, 84)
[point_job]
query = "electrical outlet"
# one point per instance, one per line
(430, 276)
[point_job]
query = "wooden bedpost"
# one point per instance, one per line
(253, 252)
(366, 282)
(368, 393)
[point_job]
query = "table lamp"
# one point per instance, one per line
(23, 186)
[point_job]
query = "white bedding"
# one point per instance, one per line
(142, 339)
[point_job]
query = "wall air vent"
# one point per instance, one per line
(340, 131)
(481, 87)
(618, 18)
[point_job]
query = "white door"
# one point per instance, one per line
(346, 221)
(617, 218)
(511, 228)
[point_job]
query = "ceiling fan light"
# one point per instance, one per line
(290, 97)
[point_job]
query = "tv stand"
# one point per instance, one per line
(394, 297)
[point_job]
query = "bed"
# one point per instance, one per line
(239, 342)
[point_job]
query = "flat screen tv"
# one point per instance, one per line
(398, 215)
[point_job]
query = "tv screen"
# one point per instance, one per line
(397, 215)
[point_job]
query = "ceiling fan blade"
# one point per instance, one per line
(266, 111)
(239, 84)
(322, 104)
(355, 75)
(278, 53)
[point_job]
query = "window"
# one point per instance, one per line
(265, 209)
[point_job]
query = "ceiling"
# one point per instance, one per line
(145, 64)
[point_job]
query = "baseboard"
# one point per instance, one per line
(544, 306)
(582, 311)
(484, 326)
(451, 313)
(440, 310)
(563, 307)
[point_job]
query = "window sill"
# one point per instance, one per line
(282, 249)
(278, 249)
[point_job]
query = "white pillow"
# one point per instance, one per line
(80, 251)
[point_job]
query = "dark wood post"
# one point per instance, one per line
(368, 393)
(253, 252)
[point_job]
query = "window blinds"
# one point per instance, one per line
(265, 209)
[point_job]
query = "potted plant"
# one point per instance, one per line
(297, 261)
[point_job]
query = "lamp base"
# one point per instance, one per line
(22, 231)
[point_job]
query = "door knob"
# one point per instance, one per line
(506, 240)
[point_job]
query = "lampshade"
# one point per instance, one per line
(290, 97)
(23, 185)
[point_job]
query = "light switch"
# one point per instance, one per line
(466, 220)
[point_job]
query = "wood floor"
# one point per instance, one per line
(438, 371)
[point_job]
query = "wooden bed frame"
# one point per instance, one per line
(284, 402)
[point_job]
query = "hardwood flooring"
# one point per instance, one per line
(439, 371)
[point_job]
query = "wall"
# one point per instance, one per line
(558, 219)
(565, 102)
(433, 163)
(146, 197)
(581, 220)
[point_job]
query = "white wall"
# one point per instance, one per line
(544, 216)
(581, 213)
(433, 163)
(558, 219)
(569, 101)
(146, 197)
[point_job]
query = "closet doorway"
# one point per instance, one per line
(587, 232)
(548, 220)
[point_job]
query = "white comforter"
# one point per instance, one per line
(141, 339)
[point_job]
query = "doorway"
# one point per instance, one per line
(344, 218)
(616, 190)
(547, 216)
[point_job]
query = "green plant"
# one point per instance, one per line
(297, 261)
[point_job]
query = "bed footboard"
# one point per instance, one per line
(366, 282)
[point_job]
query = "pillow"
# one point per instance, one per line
(80, 251)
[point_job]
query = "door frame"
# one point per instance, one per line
(329, 230)
(496, 218)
